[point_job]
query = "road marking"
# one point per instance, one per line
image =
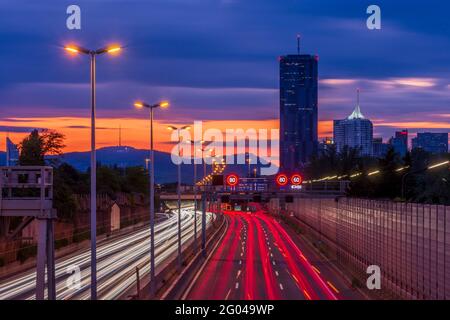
(332, 287)
(240, 261)
(273, 262)
(271, 254)
(316, 270)
(238, 274)
(228, 294)
(307, 295)
(237, 285)
(281, 287)
(276, 273)
(242, 254)
(295, 278)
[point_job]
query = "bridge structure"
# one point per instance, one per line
(27, 192)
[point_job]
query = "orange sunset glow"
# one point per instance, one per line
(135, 132)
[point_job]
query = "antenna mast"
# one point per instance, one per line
(298, 44)
(357, 97)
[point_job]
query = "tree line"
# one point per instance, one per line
(419, 183)
(68, 181)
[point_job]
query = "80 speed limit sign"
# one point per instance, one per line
(232, 180)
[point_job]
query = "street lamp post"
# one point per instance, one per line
(434, 166)
(140, 105)
(195, 189)
(403, 184)
(203, 149)
(178, 130)
(92, 54)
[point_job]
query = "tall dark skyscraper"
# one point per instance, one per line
(298, 110)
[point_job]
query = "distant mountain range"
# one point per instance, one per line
(166, 170)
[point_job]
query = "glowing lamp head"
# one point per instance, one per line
(71, 49)
(164, 104)
(138, 105)
(113, 49)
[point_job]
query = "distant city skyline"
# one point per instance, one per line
(222, 73)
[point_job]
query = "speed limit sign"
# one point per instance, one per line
(296, 179)
(232, 180)
(282, 180)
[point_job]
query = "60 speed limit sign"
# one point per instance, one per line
(296, 179)
(282, 179)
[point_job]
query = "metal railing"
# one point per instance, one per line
(409, 242)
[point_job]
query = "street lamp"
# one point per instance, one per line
(151, 107)
(434, 166)
(203, 149)
(92, 54)
(194, 143)
(178, 130)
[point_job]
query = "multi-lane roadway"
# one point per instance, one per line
(117, 260)
(258, 258)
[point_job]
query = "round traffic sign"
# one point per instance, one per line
(282, 179)
(296, 179)
(232, 180)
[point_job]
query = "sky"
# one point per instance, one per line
(217, 61)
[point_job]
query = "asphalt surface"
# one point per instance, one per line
(117, 260)
(258, 258)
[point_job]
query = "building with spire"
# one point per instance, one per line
(354, 132)
(298, 109)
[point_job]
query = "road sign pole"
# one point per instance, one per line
(51, 286)
(204, 224)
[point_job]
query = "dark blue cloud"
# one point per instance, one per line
(206, 54)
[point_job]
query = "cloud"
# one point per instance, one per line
(18, 129)
(217, 60)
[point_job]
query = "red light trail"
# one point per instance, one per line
(258, 260)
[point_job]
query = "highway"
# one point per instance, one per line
(257, 259)
(116, 262)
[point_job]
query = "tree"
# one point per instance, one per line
(31, 150)
(36, 146)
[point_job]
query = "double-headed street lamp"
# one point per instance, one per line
(93, 54)
(194, 143)
(178, 130)
(151, 107)
(203, 150)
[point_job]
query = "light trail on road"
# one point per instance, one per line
(257, 259)
(116, 262)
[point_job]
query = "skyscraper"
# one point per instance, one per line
(379, 149)
(355, 132)
(431, 142)
(12, 153)
(400, 142)
(298, 109)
